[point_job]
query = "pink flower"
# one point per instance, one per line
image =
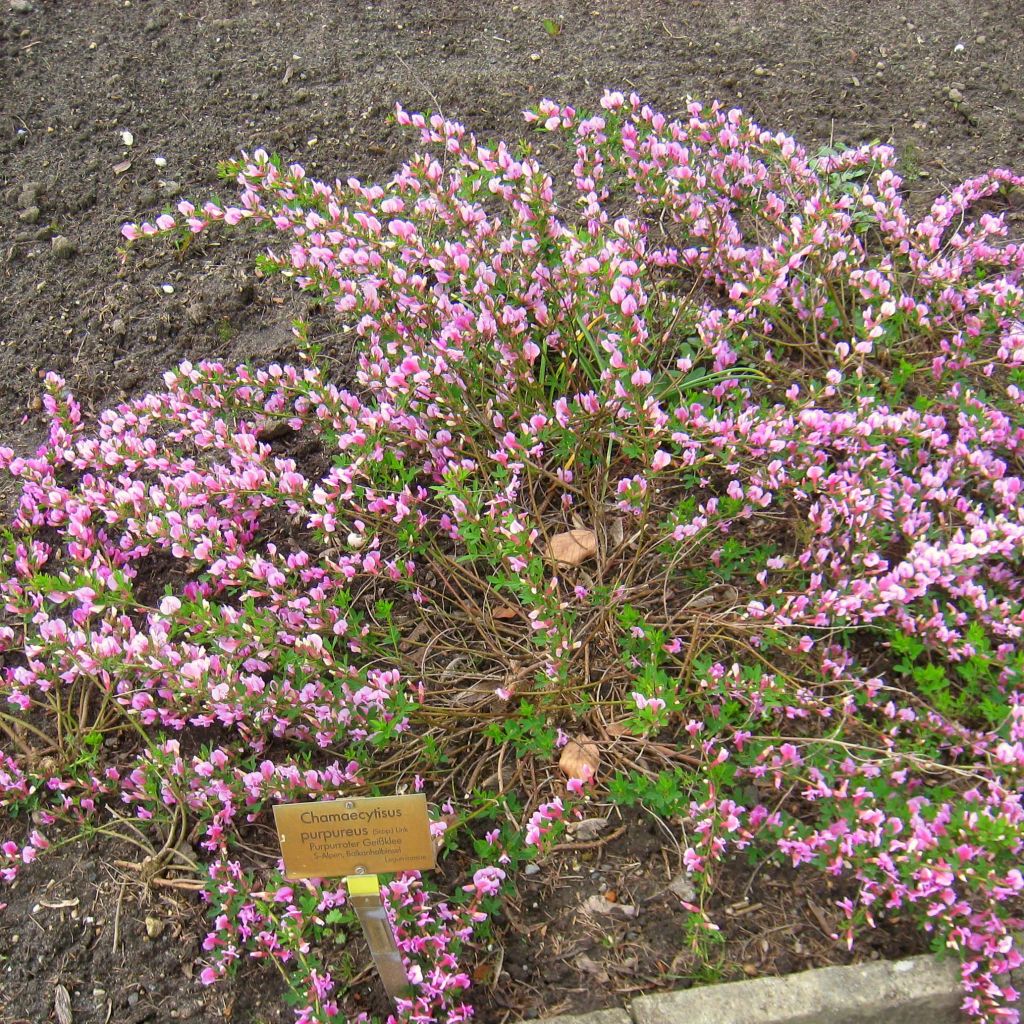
(642, 702)
(486, 881)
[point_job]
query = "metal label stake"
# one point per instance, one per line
(351, 839)
(364, 896)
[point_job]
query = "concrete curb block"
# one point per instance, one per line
(597, 1017)
(900, 992)
(912, 991)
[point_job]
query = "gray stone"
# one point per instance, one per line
(597, 1017)
(900, 992)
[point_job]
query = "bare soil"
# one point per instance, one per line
(196, 81)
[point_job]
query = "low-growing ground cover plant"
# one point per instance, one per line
(693, 481)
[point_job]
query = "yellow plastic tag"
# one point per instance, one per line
(362, 885)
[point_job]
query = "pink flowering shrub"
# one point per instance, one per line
(788, 411)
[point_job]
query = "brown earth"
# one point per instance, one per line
(194, 82)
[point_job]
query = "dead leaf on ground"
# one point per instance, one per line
(504, 612)
(587, 829)
(487, 972)
(601, 907)
(588, 966)
(124, 165)
(573, 547)
(477, 693)
(682, 886)
(822, 918)
(580, 759)
(455, 669)
(62, 1004)
(59, 904)
(616, 533)
(615, 729)
(714, 597)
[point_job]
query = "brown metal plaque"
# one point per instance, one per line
(361, 835)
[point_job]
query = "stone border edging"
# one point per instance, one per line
(919, 989)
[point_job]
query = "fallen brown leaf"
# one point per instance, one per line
(615, 729)
(616, 533)
(588, 828)
(580, 759)
(599, 906)
(573, 547)
(59, 904)
(589, 966)
(62, 1004)
(717, 596)
(476, 693)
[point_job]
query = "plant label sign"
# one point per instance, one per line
(357, 836)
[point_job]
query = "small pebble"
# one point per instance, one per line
(167, 289)
(21, 7)
(62, 247)
(981, 40)
(160, 161)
